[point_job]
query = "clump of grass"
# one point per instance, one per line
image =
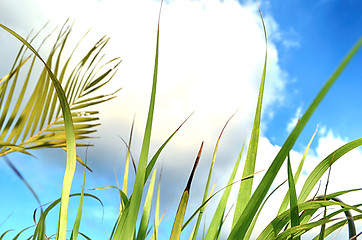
(289, 223)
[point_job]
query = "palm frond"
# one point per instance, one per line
(30, 114)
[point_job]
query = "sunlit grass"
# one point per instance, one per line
(134, 220)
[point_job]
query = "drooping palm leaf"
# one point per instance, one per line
(30, 113)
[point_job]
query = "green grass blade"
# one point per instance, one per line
(142, 232)
(220, 210)
(338, 225)
(18, 235)
(309, 208)
(249, 166)
(197, 225)
(294, 213)
(126, 167)
(152, 163)
(286, 199)
(177, 225)
(323, 166)
(157, 211)
(252, 225)
(76, 226)
(243, 223)
(126, 226)
(210, 197)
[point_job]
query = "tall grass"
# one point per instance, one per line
(289, 223)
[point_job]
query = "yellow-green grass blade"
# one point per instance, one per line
(210, 197)
(308, 209)
(252, 225)
(39, 232)
(294, 213)
(123, 195)
(338, 225)
(243, 223)
(142, 231)
(220, 210)
(153, 161)
(249, 166)
(126, 167)
(157, 220)
(323, 166)
(350, 221)
(197, 225)
(18, 235)
(285, 202)
(6, 232)
(301, 229)
(126, 227)
(76, 226)
(177, 225)
(70, 138)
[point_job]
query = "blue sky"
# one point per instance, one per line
(207, 49)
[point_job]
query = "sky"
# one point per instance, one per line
(211, 60)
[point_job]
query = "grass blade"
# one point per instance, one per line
(70, 140)
(196, 228)
(243, 223)
(177, 225)
(142, 232)
(249, 166)
(75, 230)
(152, 163)
(220, 210)
(286, 199)
(323, 166)
(294, 213)
(126, 226)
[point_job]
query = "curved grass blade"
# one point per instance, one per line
(18, 235)
(308, 209)
(286, 199)
(243, 223)
(127, 223)
(323, 166)
(39, 232)
(70, 141)
(339, 225)
(6, 232)
(177, 225)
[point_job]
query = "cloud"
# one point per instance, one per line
(210, 61)
(293, 122)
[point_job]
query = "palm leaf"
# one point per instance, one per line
(30, 113)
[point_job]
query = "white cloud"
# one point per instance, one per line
(211, 60)
(293, 122)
